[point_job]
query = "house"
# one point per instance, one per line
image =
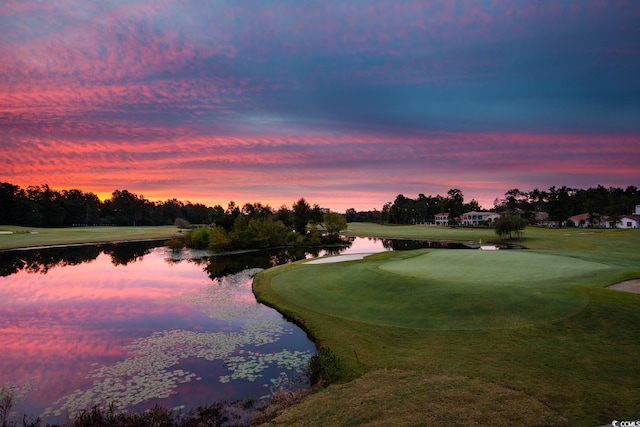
(478, 218)
(590, 220)
(629, 221)
(442, 218)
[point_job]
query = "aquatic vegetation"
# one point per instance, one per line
(151, 370)
(253, 364)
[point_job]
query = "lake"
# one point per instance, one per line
(132, 325)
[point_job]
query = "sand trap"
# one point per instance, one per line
(632, 286)
(489, 248)
(338, 258)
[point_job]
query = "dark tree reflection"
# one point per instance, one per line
(222, 265)
(126, 253)
(43, 260)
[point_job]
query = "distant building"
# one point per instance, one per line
(442, 218)
(590, 220)
(603, 221)
(629, 221)
(478, 218)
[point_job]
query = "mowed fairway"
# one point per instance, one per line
(469, 337)
(12, 237)
(443, 289)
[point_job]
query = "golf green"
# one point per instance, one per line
(443, 289)
(493, 268)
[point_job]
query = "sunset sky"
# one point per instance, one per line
(344, 103)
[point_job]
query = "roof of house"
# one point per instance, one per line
(634, 217)
(480, 213)
(587, 216)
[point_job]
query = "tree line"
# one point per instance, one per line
(42, 206)
(405, 210)
(253, 225)
(558, 203)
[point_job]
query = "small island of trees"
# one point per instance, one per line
(257, 226)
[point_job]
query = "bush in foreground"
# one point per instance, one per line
(324, 367)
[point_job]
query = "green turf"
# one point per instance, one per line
(422, 232)
(521, 268)
(443, 289)
(24, 237)
(581, 364)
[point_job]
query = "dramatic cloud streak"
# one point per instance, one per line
(344, 103)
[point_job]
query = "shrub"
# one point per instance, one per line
(324, 367)
(218, 238)
(182, 223)
(199, 238)
(509, 225)
(176, 243)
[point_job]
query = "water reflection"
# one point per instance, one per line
(44, 259)
(406, 244)
(41, 261)
(133, 325)
(374, 244)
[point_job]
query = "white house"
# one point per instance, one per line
(442, 218)
(478, 218)
(629, 221)
(590, 220)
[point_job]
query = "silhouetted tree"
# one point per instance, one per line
(285, 215)
(559, 204)
(455, 202)
(301, 216)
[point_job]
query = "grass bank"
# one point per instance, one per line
(13, 237)
(441, 337)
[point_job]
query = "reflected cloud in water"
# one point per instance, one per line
(130, 324)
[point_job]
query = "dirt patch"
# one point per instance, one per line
(632, 286)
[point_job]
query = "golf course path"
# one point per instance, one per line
(632, 286)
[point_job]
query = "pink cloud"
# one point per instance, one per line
(279, 168)
(169, 101)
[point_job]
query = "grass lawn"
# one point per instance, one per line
(365, 229)
(443, 289)
(467, 337)
(13, 237)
